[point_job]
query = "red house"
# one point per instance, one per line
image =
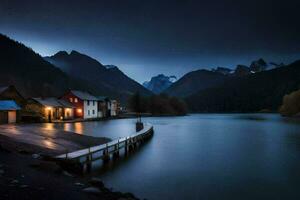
(85, 104)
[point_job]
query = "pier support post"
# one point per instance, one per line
(106, 156)
(125, 146)
(88, 163)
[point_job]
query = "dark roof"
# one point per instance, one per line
(84, 95)
(9, 105)
(53, 102)
(3, 88)
(65, 104)
(102, 98)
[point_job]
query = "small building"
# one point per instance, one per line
(50, 109)
(86, 105)
(8, 111)
(103, 103)
(114, 108)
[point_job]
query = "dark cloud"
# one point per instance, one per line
(158, 36)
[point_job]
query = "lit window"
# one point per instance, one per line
(71, 99)
(75, 100)
(79, 110)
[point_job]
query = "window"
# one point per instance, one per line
(88, 102)
(75, 100)
(93, 112)
(88, 112)
(93, 103)
(71, 99)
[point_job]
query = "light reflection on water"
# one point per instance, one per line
(207, 156)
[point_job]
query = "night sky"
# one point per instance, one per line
(145, 38)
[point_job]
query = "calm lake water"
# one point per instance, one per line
(206, 156)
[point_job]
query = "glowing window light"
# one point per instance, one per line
(49, 108)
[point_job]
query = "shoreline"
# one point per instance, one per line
(27, 170)
(24, 177)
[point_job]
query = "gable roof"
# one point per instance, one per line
(102, 98)
(3, 88)
(84, 95)
(65, 104)
(53, 102)
(9, 105)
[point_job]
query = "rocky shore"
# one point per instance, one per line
(26, 173)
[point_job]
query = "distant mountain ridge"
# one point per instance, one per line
(159, 83)
(106, 78)
(242, 70)
(195, 81)
(251, 93)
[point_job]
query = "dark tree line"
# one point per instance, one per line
(161, 104)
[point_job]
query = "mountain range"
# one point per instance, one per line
(36, 76)
(250, 93)
(260, 85)
(159, 83)
(107, 79)
(202, 79)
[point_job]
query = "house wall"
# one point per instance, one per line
(102, 109)
(113, 108)
(90, 109)
(79, 105)
(69, 113)
(3, 117)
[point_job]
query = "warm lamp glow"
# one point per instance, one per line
(48, 108)
(79, 110)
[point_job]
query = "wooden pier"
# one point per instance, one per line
(84, 158)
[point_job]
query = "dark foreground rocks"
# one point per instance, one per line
(28, 177)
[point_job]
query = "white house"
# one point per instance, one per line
(86, 105)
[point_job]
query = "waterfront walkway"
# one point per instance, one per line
(46, 138)
(86, 156)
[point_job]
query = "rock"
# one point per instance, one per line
(23, 151)
(23, 186)
(92, 190)
(96, 182)
(46, 166)
(79, 184)
(36, 156)
(15, 181)
(67, 174)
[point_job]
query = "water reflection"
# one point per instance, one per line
(78, 128)
(205, 156)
